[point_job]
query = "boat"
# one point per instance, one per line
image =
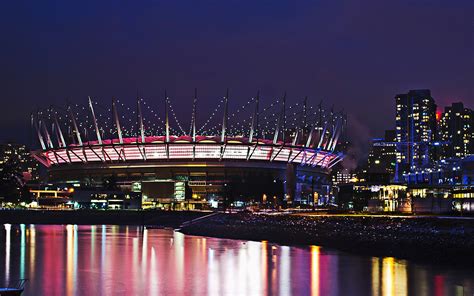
(14, 289)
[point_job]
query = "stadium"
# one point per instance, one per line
(276, 155)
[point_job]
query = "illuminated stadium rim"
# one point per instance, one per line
(182, 148)
(221, 146)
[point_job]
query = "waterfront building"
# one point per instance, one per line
(429, 153)
(280, 155)
(374, 197)
(382, 155)
(415, 129)
(97, 198)
(446, 181)
(51, 198)
(456, 131)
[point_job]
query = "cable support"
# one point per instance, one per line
(175, 118)
(210, 118)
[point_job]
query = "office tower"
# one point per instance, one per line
(456, 131)
(415, 129)
(382, 155)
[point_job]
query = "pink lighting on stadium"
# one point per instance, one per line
(295, 134)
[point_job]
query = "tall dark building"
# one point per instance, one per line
(415, 129)
(382, 155)
(17, 157)
(456, 131)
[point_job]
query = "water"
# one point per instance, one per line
(126, 260)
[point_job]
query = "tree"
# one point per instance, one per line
(12, 184)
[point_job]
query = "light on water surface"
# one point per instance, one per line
(129, 260)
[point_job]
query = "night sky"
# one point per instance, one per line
(354, 54)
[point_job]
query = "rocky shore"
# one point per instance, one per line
(423, 239)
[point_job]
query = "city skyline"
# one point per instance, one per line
(30, 138)
(237, 148)
(69, 53)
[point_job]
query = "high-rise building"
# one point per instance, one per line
(456, 131)
(415, 129)
(17, 159)
(382, 155)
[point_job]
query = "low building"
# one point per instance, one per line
(95, 198)
(389, 198)
(448, 181)
(52, 197)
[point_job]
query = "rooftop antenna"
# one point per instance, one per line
(117, 122)
(332, 128)
(97, 131)
(279, 123)
(45, 130)
(310, 135)
(320, 113)
(38, 132)
(140, 120)
(167, 122)
(224, 119)
(74, 124)
(284, 119)
(193, 123)
(305, 109)
(323, 133)
(59, 131)
(335, 135)
(254, 125)
(302, 126)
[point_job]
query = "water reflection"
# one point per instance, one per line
(7, 251)
(128, 260)
(314, 270)
(389, 276)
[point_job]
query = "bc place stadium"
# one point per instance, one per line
(143, 156)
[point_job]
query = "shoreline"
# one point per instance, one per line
(90, 217)
(426, 240)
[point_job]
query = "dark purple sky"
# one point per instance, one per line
(355, 54)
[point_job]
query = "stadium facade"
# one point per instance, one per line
(276, 155)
